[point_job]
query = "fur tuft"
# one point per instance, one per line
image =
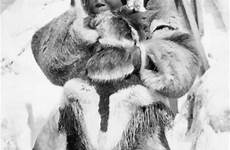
(111, 63)
(137, 5)
(71, 122)
(175, 63)
(146, 128)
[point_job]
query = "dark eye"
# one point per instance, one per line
(150, 65)
(98, 5)
(160, 27)
(124, 2)
(145, 2)
(72, 3)
(84, 2)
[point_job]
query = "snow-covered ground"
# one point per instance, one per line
(23, 82)
(211, 125)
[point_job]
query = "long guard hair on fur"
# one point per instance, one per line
(145, 130)
(147, 124)
(71, 122)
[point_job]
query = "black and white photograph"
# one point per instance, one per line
(115, 75)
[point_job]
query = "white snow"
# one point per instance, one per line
(22, 80)
(212, 130)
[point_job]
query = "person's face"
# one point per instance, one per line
(96, 6)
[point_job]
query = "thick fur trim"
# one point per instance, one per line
(113, 29)
(77, 90)
(111, 63)
(71, 123)
(175, 63)
(135, 119)
(146, 129)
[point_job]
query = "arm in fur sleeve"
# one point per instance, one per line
(62, 47)
(172, 64)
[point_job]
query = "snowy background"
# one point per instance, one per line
(25, 90)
